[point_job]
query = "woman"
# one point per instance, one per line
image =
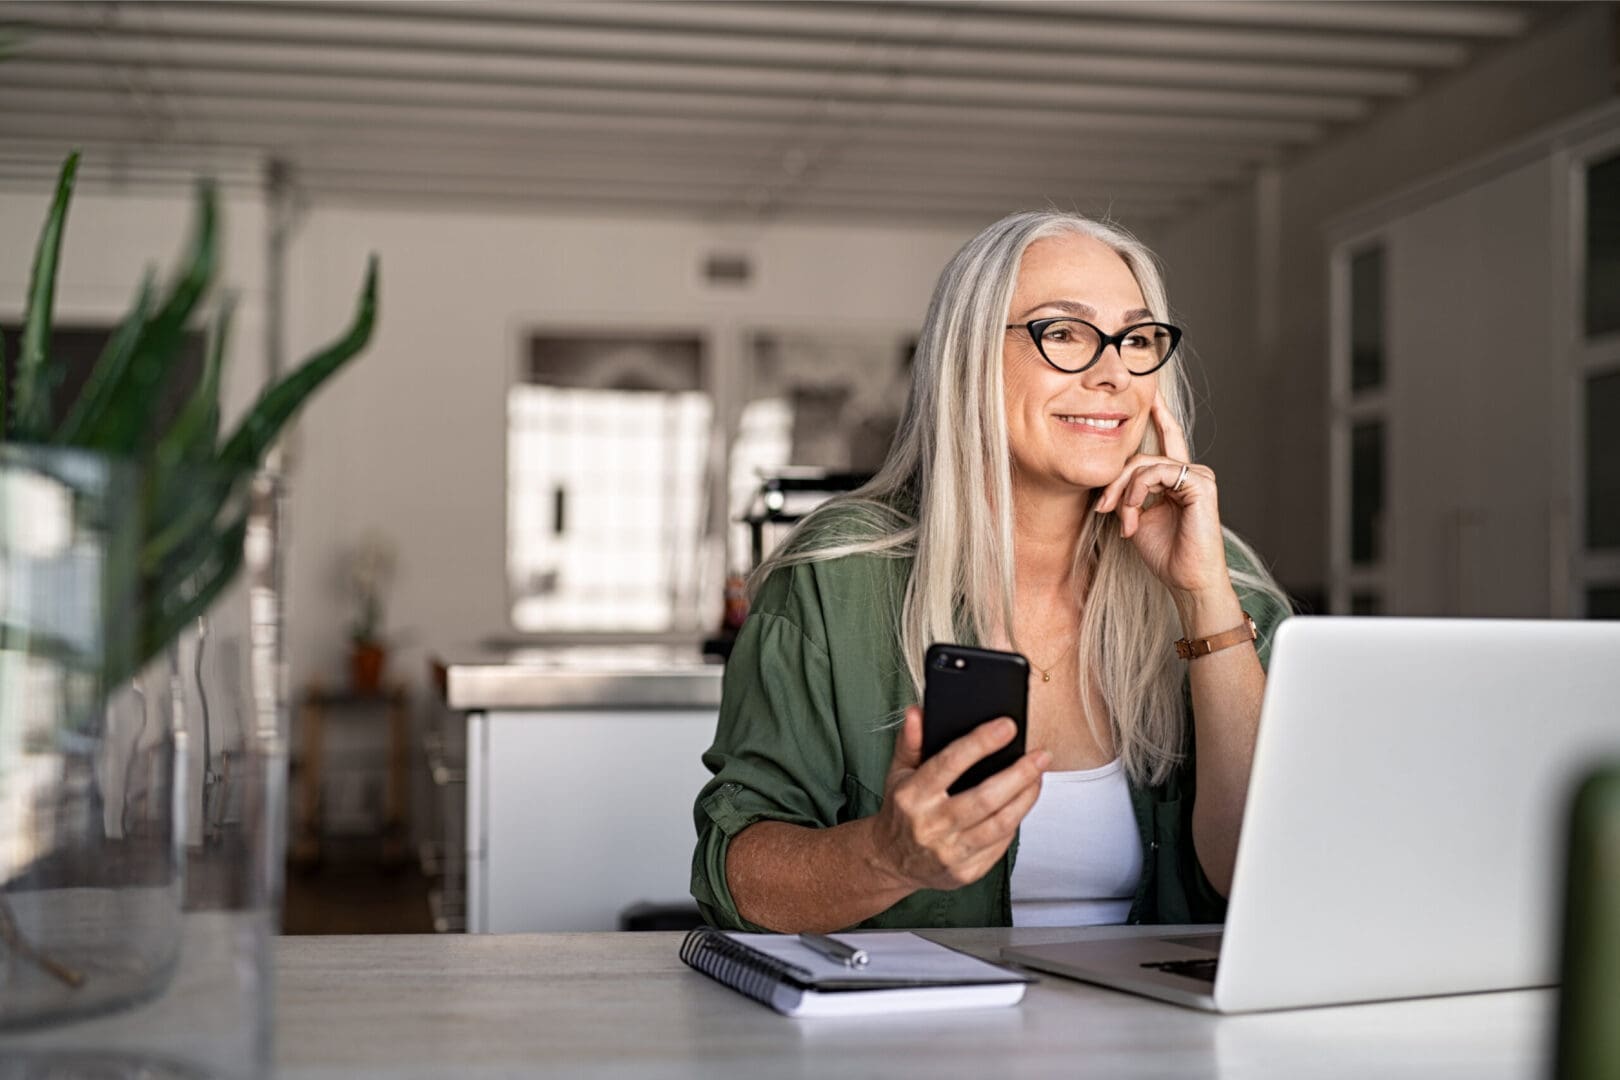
(1039, 497)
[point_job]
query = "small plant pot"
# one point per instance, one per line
(366, 665)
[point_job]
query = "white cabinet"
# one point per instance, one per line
(1475, 392)
(574, 815)
(1472, 427)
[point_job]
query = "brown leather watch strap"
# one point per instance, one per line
(1191, 650)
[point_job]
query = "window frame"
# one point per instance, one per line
(1349, 408)
(1583, 359)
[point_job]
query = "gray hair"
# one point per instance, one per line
(929, 502)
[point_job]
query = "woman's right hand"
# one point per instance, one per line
(927, 838)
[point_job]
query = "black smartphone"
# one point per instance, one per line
(963, 687)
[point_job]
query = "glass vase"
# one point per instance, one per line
(141, 782)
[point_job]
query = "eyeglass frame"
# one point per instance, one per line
(1037, 327)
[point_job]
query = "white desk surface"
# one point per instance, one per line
(605, 1004)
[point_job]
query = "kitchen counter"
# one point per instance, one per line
(579, 757)
(583, 677)
(624, 1005)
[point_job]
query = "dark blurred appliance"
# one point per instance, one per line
(784, 497)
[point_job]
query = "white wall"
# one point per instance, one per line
(1564, 68)
(411, 440)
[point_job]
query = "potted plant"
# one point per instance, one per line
(369, 569)
(140, 803)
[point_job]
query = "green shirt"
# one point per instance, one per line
(812, 692)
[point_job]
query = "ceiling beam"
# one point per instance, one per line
(633, 109)
(1010, 188)
(1032, 154)
(905, 24)
(715, 203)
(650, 189)
(873, 165)
(1456, 19)
(316, 123)
(848, 186)
(359, 75)
(343, 40)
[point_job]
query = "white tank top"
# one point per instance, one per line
(1079, 853)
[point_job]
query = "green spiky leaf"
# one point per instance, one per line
(178, 523)
(97, 397)
(174, 529)
(191, 436)
(127, 424)
(31, 395)
(186, 494)
(253, 437)
(180, 600)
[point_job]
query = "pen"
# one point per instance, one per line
(833, 949)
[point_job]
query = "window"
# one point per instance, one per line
(1359, 436)
(764, 444)
(1367, 320)
(1602, 261)
(79, 347)
(1603, 461)
(1595, 257)
(1366, 493)
(608, 441)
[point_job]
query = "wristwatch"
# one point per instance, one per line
(1191, 650)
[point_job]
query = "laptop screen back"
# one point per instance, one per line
(1404, 827)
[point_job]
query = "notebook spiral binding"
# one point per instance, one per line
(737, 966)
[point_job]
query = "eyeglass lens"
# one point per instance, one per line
(1073, 344)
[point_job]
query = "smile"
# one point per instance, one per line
(1101, 425)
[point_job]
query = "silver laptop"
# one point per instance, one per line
(1404, 831)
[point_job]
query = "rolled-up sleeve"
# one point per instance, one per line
(776, 754)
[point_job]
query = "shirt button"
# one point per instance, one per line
(1154, 846)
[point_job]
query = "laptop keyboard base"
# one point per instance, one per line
(1202, 969)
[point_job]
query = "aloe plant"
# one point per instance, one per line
(192, 492)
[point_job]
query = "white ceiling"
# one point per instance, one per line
(904, 111)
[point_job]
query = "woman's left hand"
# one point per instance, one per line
(1179, 537)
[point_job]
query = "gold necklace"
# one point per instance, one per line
(1046, 672)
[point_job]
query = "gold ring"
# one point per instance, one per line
(1182, 479)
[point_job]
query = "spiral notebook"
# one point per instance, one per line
(904, 973)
